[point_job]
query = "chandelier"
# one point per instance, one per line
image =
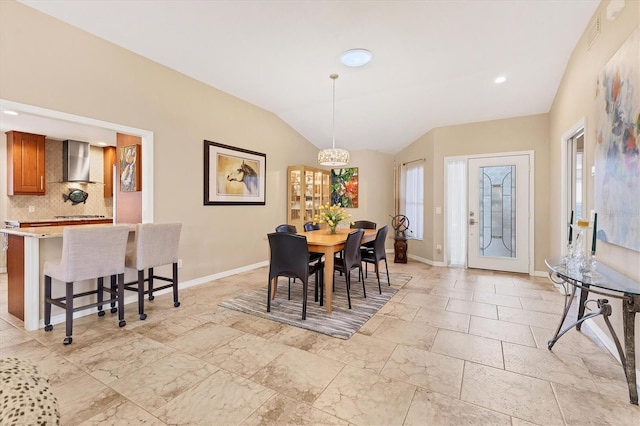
(333, 156)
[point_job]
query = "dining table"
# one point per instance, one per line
(321, 241)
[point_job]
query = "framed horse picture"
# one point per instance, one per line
(233, 176)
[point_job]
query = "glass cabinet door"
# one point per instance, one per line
(308, 179)
(294, 195)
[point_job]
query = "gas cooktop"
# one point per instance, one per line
(81, 216)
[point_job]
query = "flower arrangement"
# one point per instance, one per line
(332, 215)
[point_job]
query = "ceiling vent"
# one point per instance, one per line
(593, 32)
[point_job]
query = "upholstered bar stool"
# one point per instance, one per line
(88, 252)
(156, 244)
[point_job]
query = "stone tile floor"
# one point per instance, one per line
(452, 347)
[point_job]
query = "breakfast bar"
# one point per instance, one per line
(38, 245)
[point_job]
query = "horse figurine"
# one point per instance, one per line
(246, 175)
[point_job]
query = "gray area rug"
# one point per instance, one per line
(341, 323)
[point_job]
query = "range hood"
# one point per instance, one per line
(75, 161)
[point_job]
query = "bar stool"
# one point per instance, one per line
(155, 244)
(87, 252)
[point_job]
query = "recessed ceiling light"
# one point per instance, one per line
(356, 57)
(501, 79)
(10, 112)
(102, 143)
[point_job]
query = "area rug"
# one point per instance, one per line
(341, 323)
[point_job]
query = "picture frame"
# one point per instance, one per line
(130, 168)
(344, 187)
(233, 176)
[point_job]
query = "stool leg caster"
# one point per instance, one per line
(122, 323)
(48, 327)
(175, 305)
(143, 317)
(114, 310)
(100, 313)
(152, 297)
(67, 340)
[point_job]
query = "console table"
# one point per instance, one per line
(610, 284)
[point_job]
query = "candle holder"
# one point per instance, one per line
(590, 266)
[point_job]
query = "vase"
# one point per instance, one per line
(332, 229)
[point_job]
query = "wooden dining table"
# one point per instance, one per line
(321, 241)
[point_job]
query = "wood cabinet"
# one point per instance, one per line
(308, 189)
(25, 163)
(109, 157)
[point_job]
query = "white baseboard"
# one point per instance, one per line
(542, 274)
(424, 260)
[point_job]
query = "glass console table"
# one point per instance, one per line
(609, 284)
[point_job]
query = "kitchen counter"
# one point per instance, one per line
(59, 220)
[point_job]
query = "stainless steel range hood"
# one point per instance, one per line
(75, 161)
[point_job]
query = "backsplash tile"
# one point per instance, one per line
(52, 204)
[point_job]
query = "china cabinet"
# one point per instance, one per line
(308, 189)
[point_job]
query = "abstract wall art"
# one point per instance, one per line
(617, 158)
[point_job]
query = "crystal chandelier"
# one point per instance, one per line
(333, 156)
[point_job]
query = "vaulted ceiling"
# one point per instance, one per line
(434, 61)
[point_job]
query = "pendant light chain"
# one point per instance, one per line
(333, 157)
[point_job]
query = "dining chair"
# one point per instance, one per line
(314, 257)
(309, 226)
(287, 228)
(377, 254)
(350, 260)
(365, 224)
(155, 244)
(88, 253)
(289, 257)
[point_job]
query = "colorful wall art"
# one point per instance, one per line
(344, 187)
(617, 159)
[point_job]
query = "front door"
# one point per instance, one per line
(498, 214)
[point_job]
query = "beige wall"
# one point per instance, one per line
(574, 102)
(49, 64)
(529, 133)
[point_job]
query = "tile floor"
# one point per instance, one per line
(451, 347)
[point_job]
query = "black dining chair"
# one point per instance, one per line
(309, 226)
(350, 260)
(314, 257)
(377, 254)
(289, 257)
(365, 224)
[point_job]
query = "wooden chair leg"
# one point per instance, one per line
(176, 302)
(143, 316)
(121, 321)
(151, 296)
(47, 303)
(68, 314)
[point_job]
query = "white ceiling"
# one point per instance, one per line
(434, 61)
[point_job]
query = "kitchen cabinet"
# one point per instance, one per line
(25, 163)
(308, 189)
(109, 157)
